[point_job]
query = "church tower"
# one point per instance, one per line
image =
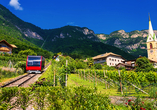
(151, 43)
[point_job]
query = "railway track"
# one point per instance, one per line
(20, 81)
(23, 80)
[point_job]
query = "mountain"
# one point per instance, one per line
(11, 28)
(78, 42)
(133, 42)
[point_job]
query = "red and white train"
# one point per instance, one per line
(35, 64)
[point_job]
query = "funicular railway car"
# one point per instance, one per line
(35, 64)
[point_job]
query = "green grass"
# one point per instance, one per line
(47, 73)
(75, 80)
(7, 79)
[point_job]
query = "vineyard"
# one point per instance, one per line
(129, 80)
(52, 90)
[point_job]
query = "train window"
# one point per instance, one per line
(34, 58)
(29, 63)
(33, 63)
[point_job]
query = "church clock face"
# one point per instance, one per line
(151, 51)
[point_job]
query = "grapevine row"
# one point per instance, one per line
(138, 78)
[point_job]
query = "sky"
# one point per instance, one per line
(101, 16)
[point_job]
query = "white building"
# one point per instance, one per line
(111, 59)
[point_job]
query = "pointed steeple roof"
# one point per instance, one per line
(151, 35)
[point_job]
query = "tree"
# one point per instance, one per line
(80, 64)
(97, 66)
(143, 64)
(90, 62)
(25, 53)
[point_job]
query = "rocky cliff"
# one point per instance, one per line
(133, 42)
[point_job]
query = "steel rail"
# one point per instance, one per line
(17, 79)
(14, 80)
(26, 80)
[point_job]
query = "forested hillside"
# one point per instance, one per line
(10, 32)
(78, 42)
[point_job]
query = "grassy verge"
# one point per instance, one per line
(75, 80)
(7, 79)
(47, 73)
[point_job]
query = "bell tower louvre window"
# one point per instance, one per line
(151, 46)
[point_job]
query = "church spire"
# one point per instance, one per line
(151, 43)
(151, 35)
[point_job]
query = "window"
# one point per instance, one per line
(133, 65)
(118, 60)
(112, 59)
(110, 63)
(151, 46)
(115, 59)
(3, 46)
(34, 58)
(33, 63)
(109, 58)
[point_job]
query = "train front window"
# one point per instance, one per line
(30, 64)
(33, 63)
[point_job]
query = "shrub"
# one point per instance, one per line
(22, 65)
(97, 66)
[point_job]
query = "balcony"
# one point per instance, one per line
(100, 61)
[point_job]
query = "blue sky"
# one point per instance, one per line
(102, 16)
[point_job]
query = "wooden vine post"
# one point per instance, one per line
(66, 76)
(79, 73)
(89, 75)
(108, 82)
(84, 75)
(105, 81)
(95, 79)
(54, 78)
(120, 80)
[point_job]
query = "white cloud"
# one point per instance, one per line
(15, 4)
(72, 24)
